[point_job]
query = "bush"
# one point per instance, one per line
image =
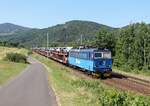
(30, 52)
(111, 97)
(16, 57)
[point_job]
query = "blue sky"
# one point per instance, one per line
(45, 13)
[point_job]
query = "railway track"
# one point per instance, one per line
(117, 80)
(129, 83)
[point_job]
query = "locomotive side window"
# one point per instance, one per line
(84, 55)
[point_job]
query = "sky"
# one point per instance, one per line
(46, 13)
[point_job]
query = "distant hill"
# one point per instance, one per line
(67, 33)
(9, 29)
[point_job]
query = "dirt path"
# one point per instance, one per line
(30, 88)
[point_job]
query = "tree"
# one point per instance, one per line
(133, 48)
(105, 39)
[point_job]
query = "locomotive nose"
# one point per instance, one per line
(103, 64)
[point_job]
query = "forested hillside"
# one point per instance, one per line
(9, 29)
(59, 35)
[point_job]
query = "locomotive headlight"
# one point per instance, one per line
(96, 64)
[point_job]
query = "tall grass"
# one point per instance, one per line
(16, 57)
(5, 50)
(9, 69)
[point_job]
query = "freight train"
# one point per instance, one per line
(92, 60)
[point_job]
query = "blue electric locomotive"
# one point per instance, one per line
(92, 60)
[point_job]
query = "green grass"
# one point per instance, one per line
(72, 90)
(136, 73)
(8, 69)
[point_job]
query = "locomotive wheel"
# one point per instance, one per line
(88, 72)
(96, 75)
(102, 76)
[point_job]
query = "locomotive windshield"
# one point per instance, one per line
(102, 55)
(106, 54)
(98, 55)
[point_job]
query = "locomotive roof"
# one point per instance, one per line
(90, 50)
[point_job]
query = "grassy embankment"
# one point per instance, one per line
(138, 74)
(72, 90)
(10, 69)
(134, 72)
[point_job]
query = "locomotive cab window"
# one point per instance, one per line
(98, 55)
(107, 55)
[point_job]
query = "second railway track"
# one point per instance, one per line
(129, 83)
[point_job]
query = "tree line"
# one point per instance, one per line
(10, 44)
(130, 46)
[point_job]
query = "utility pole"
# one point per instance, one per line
(144, 52)
(66, 34)
(81, 39)
(47, 43)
